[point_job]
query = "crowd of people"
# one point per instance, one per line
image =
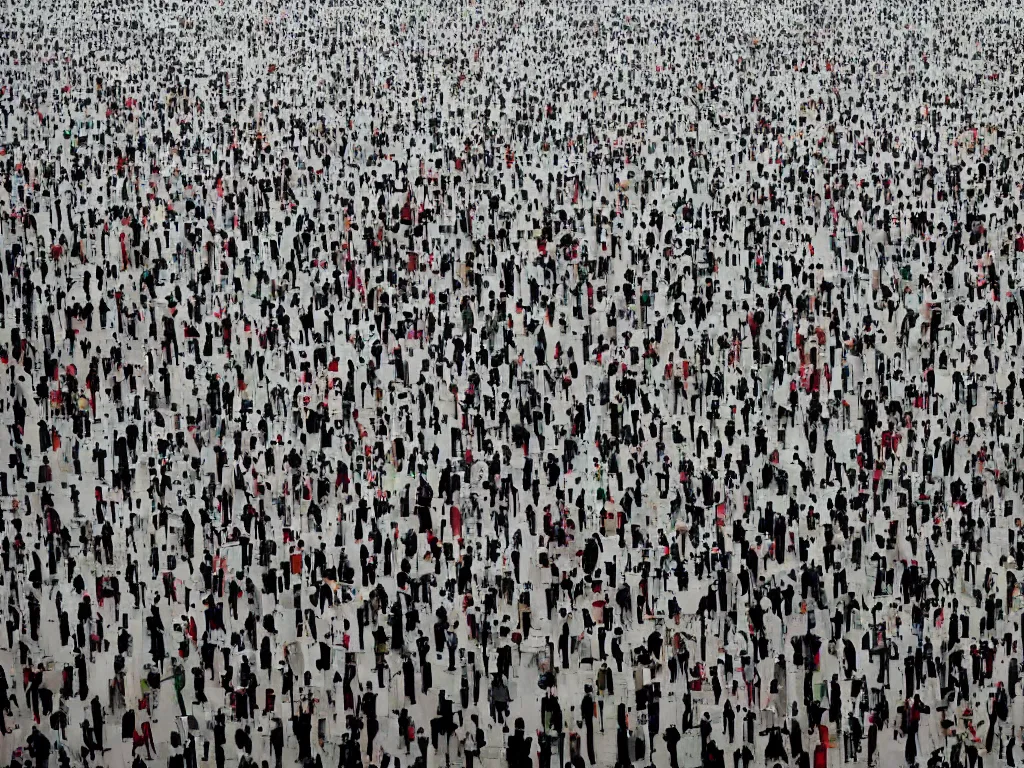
(527, 383)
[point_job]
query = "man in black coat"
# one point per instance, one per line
(672, 739)
(587, 708)
(520, 747)
(39, 748)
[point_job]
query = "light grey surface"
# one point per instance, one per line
(470, 55)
